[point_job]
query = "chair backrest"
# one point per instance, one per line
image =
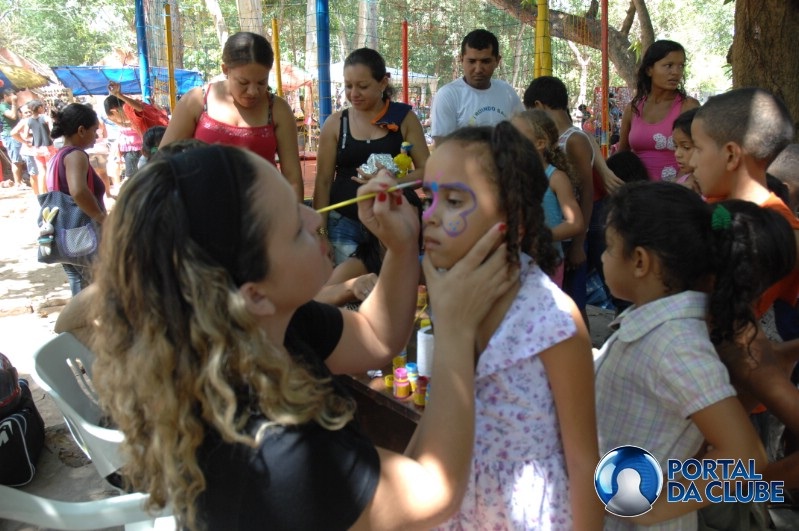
(127, 510)
(63, 368)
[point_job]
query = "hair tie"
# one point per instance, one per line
(721, 218)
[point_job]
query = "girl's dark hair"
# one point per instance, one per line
(520, 188)
(656, 51)
(67, 121)
(627, 166)
(778, 188)
(549, 90)
(151, 138)
(372, 60)
(244, 48)
(35, 104)
(753, 253)
(684, 120)
(742, 252)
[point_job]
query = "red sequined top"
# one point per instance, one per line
(260, 139)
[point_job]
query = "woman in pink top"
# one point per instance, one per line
(646, 124)
(241, 111)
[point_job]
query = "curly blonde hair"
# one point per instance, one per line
(177, 352)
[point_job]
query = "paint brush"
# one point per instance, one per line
(408, 184)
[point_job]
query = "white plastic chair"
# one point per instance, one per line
(124, 510)
(63, 369)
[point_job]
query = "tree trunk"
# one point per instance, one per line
(762, 52)
(647, 31)
(311, 63)
(371, 24)
(583, 62)
(517, 56)
(219, 21)
(251, 16)
(366, 32)
(582, 30)
(343, 39)
(177, 35)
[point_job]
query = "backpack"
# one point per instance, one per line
(10, 392)
(21, 428)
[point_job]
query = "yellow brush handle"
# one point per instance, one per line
(367, 196)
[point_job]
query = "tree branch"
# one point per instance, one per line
(593, 9)
(628, 20)
(647, 32)
(580, 30)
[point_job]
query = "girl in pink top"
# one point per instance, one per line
(659, 99)
(240, 110)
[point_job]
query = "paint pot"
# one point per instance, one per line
(399, 361)
(419, 395)
(402, 387)
(424, 349)
(413, 374)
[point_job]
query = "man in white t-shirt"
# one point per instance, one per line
(476, 98)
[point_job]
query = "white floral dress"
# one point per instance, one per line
(518, 478)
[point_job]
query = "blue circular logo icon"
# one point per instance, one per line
(628, 480)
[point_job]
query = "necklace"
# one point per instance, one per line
(364, 128)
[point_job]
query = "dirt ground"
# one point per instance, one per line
(31, 296)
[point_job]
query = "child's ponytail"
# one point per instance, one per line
(521, 188)
(752, 248)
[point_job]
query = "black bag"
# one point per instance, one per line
(10, 392)
(21, 440)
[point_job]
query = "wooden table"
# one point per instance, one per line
(388, 421)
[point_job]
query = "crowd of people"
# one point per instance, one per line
(219, 322)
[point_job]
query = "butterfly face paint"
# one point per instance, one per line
(457, 225)
(429, 209)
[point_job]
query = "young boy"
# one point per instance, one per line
(549, 94)
(736, 136)
(134, 117)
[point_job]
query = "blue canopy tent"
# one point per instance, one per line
(93, 80)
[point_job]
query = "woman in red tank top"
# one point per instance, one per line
(240, 110)
(647, 121)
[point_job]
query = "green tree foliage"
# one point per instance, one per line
(66, 32)
(61, 32)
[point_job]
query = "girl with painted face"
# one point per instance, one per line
(536, 446)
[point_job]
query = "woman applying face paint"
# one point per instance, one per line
(248, 429)
(535, 438)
